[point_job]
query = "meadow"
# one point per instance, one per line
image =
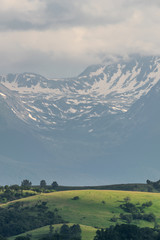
(93, 209)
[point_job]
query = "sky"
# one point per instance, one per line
(60, 38)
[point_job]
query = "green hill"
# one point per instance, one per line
(95, 208)
(88, 232)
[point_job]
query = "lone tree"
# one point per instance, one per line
(54, 185)
(43, 184)
(26, 183)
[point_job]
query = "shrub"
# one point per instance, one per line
(113, 219)
(75, 198)
(126, 217)
(149, 217)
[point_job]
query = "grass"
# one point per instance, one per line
(88, 232)
(94, 208)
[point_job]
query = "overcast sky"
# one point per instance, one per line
(60, 38)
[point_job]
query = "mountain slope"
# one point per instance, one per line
(98, 128)
(98, 90)
(20, 149)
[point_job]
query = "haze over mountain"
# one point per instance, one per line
(100, 127)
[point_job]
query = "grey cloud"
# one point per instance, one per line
(22, 25)
(64, 13)
(109, 28)
(73, 13)
(15, 24)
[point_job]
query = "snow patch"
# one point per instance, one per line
(30, 116)
(72, 110)
(37, 109)
(91, 130)
(3, 95)
(98, 72)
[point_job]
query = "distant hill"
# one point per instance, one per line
(141, 187)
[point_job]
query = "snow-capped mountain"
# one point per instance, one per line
(87, 120)
(97, 91)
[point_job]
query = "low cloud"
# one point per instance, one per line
(69, 35)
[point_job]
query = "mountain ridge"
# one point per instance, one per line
(89, 122)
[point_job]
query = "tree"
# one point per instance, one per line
(26, 183)
(1, 188)
(54, 185)
(2, 238)
(51, 231)
(120, 232)
(75, 232)
(56, 235)
(43, 184)
(65, 232)
(15, 187)
(148, 181)
(6, 187)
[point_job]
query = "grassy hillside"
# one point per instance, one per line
(95, 208)
(88, 232)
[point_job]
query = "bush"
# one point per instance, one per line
(138, 216)
(149, 217)
(113, 219)
(127, 199)
(126, 217)
(75, 198)
(147, 204)
(129, 207)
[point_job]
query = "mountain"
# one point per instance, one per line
(100, 127)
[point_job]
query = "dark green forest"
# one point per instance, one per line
(127, 232)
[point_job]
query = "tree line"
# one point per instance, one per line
(28, 184)
(26, 189)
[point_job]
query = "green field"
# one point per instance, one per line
(88, 232)
(94, 208)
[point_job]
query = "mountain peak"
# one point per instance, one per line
(100, 118)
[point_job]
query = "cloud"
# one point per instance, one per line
(71, 34)
(19, 6)
(55, 14)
